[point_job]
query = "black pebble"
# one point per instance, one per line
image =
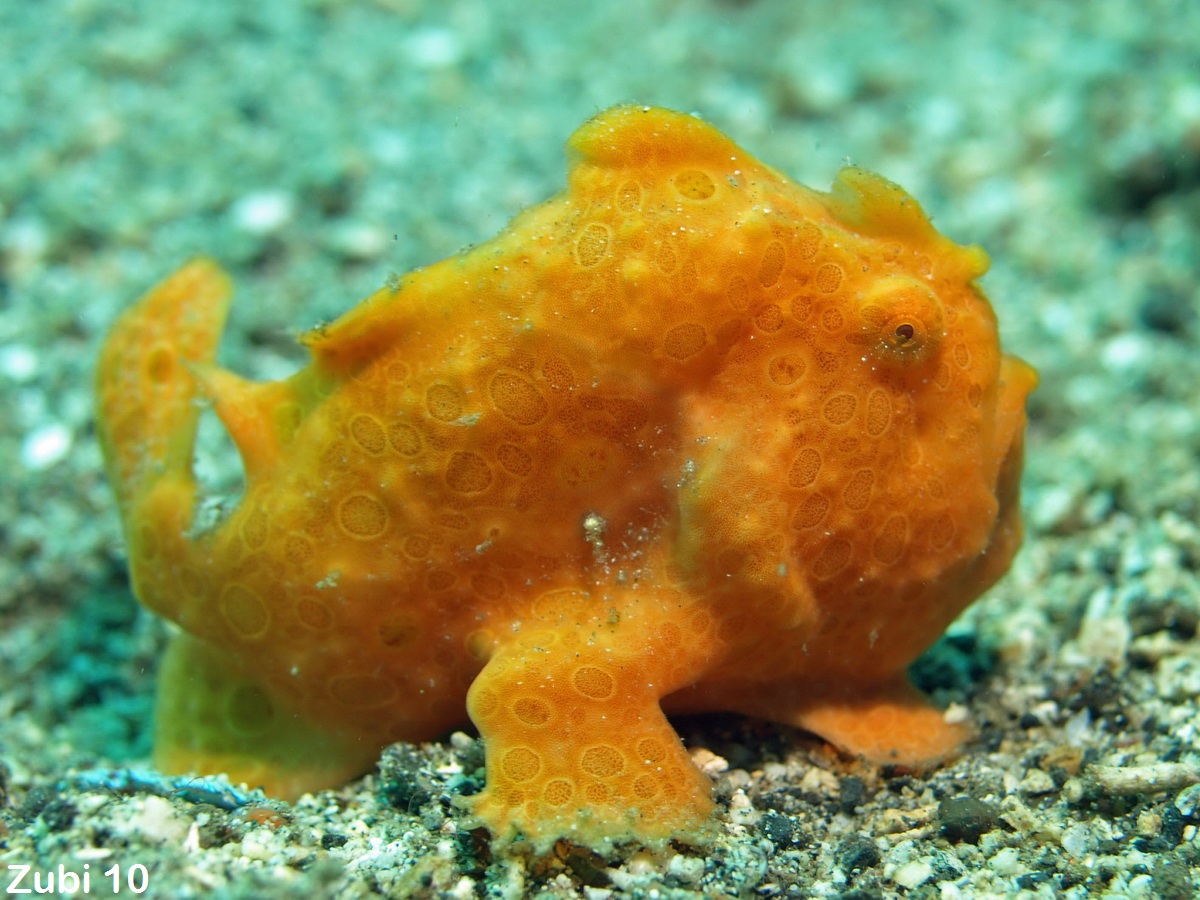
(965, 819)
(852, 793)
(329, 840)
(59, 814)
(778, 828)
(857, 853)
(1166, 311)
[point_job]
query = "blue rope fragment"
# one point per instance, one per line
(213, 790)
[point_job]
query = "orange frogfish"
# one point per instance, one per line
(687, 436)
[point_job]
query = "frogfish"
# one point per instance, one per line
(687, 436)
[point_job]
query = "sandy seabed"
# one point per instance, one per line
(315, 148)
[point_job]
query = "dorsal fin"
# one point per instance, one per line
(362, 333)
(873, 206)
(624, 137)
(645, 136)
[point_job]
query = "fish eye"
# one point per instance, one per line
(901, 320)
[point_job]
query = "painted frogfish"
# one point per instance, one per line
(687, 436)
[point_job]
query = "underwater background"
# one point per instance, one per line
(316, 148)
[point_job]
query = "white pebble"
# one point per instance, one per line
(1077, 840)
(258, 844)
(913, 874)
(741, 810)
(1053, 506)
(1125, 351)
(956, 714)
(263, 212)
(1188, 800)
(26, 242)
(1105, 639)
(708, 762)
(18, 362)
(1006, 862)
(1078, 728)
(433, 48)
(358, 240)
(688, 869)
(158, 821)
(1037, 782)
(45, 446)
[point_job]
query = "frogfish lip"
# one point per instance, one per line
(1017, 380)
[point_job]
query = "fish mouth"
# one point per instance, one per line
(1017, 380)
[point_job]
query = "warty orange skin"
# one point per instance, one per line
(688, 436)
